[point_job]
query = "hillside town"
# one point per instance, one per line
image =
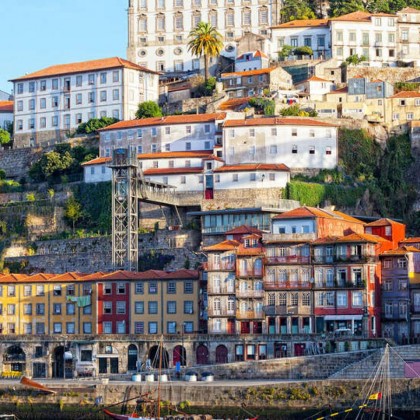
(175, 194)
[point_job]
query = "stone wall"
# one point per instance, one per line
(390, 74)
(16, 162)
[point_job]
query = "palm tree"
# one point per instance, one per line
(206, 41)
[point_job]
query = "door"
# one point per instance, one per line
(40, 370)
(299, 349)
(202, 355)
(221, 354)
(231, 326)
(132, 357)
(103, 365)
(114, 364)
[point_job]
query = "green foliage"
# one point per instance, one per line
(62, 161)
(205, 40)
(148, 109)
(95, 200)
(263, 105)
(296, 111)
(154, 261)
(359, 153)
(2, 174)
(285, 51)
(355, 59)
(206, 88)
(304, 50)
(73, 211)
(296, 10)
(410, 86)
(4, 136)
(30, 197)
(95, 124)
(342, 7)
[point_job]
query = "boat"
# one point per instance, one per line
(33, 384)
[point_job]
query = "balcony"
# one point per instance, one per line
(276, 285)
(221, 266)
(249, 293)
(249, 273)
(337, 259)
(272, 310)
(221, 312)
(289, 259)
(281, 237)
(359, 284)
(249, 314)
(220, 290)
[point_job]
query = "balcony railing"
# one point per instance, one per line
(249, 293)
(328, 259)
(271, 310)
(221, 266)
(279, 237)
(275, 285)
(249, 273)
(221, 312)
(220, 290)
(340, 284)
(249, 314)
(289, 259)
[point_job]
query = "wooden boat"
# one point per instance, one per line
(33, 384)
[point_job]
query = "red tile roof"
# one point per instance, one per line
(173, 171)
(313, 212)
(171, 155)
(257, 53)
(303, 23)
(168, 120)
(409, 10)
(342, 90)
(253, 167)
(384, 222)
(248, 72)
(276, 121)
(406, 94)
(401, 250)
(361, 237)
(411, 240)
(360, 16)
(97, 161)
(223, 246)
(84, 66)
(6, 106)
(232, 103)
(243, 230)
(317, 79)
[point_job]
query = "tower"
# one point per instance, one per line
(125, 208)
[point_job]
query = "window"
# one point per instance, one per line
(188, 287)
(139, 289)
(57, 308)
(31, 104)
(27, 290)
(40, 290)
(121, 327)
(171, 307)
(40, 309)
(252, 132)
(70, 308)
(139, 327)
(388, 309)
(139, 307)
(328, 150)
(271, 176)
(235, 177)
(70, 327)
(70, 290)
(188, 145)
(410, 116)
(121, 289)
(115, 76)
(43, 85)
(311, 150)
(115, 94)
(11, 290)
(27, 309)
(102, 78)
(188, 327)
(120, 308)
(27, 328)
(294, 132)
(19, 124)
(20, 88)
(188, 307)
(79, 80)
(342, 299)
(253, 176)
(103, 95)
(91, 79)
(54, 102)
(402, 263)
(87, 328)
(107, 308)
(171, 287)
(57, 328)
(153, 327)
(357, 299)
(153, 308)
(107, 327)
(40, 328)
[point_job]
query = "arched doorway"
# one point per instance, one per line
(14, 360)
(62, 365)
(221, 354)
(132, 357)
(180, 355)
(202, 354)
(155, 358)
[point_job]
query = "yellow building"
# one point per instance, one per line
(401, 109)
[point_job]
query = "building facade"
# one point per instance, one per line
(52, 102)
(6, 114)
(158, 31)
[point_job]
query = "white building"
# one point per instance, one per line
(52, 102)
(373, 35)
(251, 61)
(314, 33)
(315, 88)
(6, 114)
(158, 29)
(300, 143)
(408, 35)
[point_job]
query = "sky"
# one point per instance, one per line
(40, 33)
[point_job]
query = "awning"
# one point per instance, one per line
(343, 317)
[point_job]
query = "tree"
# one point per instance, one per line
(148, 109)
(296, 111)
(204, 40)
(4, 136)
(343, 7)
(355, 59)
(304, 50)
(73, 211)
(296, 10)
(95, 124)
(285, 51)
